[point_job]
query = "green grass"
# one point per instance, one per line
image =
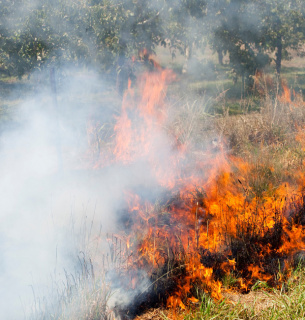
(295, 78)
(287, 302)
(12, 93)
(207, 78)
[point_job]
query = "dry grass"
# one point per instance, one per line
(80, 296)
(266, 139)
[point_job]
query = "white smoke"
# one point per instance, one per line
(51, 211)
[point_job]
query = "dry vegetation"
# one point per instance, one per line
(272, 142)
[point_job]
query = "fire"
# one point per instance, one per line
(290, 97)
(286, 94)
(212, 224)
(134, 137)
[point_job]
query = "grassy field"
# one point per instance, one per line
(207, 78)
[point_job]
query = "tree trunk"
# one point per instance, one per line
(56, 113)
(220, 57)
(187, 57)
(243, 85)
(278, 61)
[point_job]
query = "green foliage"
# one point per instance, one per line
(283, 27)
(104, 33)
(185, 24)
(78, 32)
(249, 30)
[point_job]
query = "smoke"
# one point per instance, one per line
(54, 204)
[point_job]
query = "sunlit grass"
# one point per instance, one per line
(287, 302)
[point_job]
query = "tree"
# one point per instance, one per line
(236, 28)
(283, 28)
(185, 26)
(30, 36)
(250, 30)
(81, 32)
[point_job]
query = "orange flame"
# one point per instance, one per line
(207, 212)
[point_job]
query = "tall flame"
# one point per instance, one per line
(212, 224)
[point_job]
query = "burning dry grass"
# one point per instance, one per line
(230, 217)
(243, 216)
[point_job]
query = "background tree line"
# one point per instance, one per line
(104, 33)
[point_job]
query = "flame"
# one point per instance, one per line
(286, 94)
(263, 84)
(212, 218)
(290, 97)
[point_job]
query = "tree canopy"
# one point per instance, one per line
(102, 33)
